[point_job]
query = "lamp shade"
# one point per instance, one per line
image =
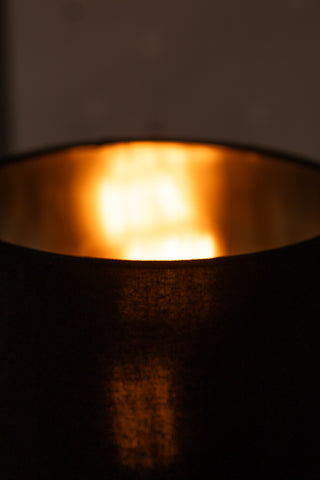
(159, 313)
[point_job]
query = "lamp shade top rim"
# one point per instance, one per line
(158, 200)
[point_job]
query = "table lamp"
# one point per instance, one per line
(160, 313)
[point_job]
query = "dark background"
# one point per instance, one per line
(241, 71)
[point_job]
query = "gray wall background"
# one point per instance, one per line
(241, 71)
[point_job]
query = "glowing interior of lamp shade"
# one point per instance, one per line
(157, 201)
(147, 206)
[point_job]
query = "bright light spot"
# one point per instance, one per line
(170, 199)
(173, 248)
(148, 207)
(114, 217)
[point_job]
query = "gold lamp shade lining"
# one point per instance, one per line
(157, 201)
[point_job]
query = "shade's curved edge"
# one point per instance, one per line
(270, 153)
(163, 264)
(253, 148)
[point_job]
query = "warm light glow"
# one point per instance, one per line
(157, 200)
(147, 206)
(144, 420)
(172, 248)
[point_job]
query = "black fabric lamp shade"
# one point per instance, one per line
(124, 368)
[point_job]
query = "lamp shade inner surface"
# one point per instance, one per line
(157, 201)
